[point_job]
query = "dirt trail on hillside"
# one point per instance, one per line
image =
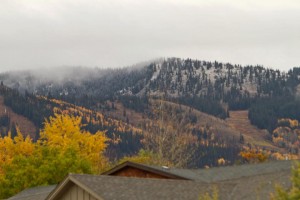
(26, 126)
(239, 121)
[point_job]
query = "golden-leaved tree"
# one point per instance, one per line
(63, 147)
(12, 147)
(65, 132)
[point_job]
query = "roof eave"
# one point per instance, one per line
(145, 168)
(70, 179)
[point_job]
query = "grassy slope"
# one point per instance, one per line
(231, 127)
(239, 121)
(203, 120)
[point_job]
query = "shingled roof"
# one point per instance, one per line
(115, 187)
(36, 193)
(235, 182)
(212, 174)
(232, 172)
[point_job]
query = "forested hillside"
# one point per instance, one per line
(189, 132)
(211, 87)
(125, 139)
(134, 104)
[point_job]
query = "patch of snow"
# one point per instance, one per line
(156, 73)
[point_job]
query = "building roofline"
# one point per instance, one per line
(145, 168)
(68, 180)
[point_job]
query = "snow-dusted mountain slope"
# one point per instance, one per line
(172, 77)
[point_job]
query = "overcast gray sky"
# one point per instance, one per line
(115, 33)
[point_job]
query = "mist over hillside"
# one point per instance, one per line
(35, 79)
(172, 77)
(79, 73)
(31, 79)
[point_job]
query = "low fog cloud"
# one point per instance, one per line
(44, 34)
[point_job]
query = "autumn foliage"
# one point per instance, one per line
(63, 147)
(12, 147)
(253, 156)
(65, 132)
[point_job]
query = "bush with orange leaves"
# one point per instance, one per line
(253, 156)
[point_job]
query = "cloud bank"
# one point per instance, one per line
(116, 33)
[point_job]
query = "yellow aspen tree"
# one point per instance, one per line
(64, 131)
(12, 147)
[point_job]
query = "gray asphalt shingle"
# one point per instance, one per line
(231, 172)
(36, 193)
